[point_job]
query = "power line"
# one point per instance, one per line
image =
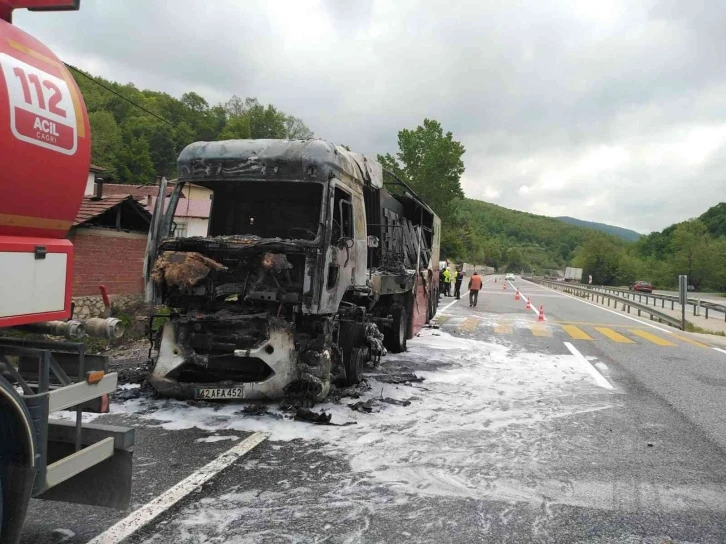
(142, 108)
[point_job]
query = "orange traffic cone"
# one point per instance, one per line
(541, 314)
(528, 306)
(516, 295)
(504, 286)
(495, 280)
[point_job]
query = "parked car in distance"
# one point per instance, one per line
(509, 277)
(642, 286)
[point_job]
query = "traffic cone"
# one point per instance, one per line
(528, 306)
(504, 286)
(495, 280)
(516, 295)
(541, 314)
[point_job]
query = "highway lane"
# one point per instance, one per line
(510, 438)
(681, 368)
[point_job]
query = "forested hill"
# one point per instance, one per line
(625, 234)
(134, 145)
(518, 240)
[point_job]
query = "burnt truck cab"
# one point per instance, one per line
(278, 298)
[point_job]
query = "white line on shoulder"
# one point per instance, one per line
(599, 378)
(147, 513)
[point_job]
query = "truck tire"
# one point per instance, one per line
(396, 336)
(17, 470)
(354, 366)
(1, 502)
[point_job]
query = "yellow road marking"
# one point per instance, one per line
(503, 328)
(539, 330)
(576, 332)
(694, 342)
(593, 324)
(652, 338)
(469, 324)
(699, 344)
(614, 336)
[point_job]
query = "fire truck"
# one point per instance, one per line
(45, 147)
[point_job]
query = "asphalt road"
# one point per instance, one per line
(586, 427)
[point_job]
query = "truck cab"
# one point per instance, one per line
(261, 303)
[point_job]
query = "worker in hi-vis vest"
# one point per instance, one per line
(447, 282)
(474, 288)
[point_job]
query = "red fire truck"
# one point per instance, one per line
(45, 146)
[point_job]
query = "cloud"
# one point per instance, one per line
(609, 111)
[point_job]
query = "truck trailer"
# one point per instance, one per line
(311, 267)
(45, 147)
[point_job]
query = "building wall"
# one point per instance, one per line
(196, 192)
(196, 226)
(107, 257)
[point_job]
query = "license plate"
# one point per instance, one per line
(218, 393)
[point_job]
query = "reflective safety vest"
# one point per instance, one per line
(447, 275)
(475, 283)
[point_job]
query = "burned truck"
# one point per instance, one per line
(310, 268)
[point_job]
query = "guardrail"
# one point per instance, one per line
(599, 296)
(696, 303)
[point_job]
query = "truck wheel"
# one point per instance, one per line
(354, 366)
(395, 337)
(1, 502)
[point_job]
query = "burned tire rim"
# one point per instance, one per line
(354, 366)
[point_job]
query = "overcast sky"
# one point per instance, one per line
(611, 111)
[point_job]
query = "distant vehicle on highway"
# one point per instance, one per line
(509, 277)
(642, 286)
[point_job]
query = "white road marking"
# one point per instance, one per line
(137, 519)
(526, 300)
(599, 378)
(626, 316)
(449, 305)
(719, 349)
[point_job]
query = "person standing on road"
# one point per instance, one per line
(454, 275)
(474, 288)
(458, 279)
(447, 282)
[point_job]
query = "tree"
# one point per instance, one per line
(295, 129)
(236, 128)
(515, 258)
(266, 122)
(133, 162)
(599, 257)
(105, 139)
(691, 252)
(194, 102)
(430, 162)
(235, 107)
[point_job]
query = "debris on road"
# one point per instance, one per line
(256, 410)
(363, 406)
(398, 378)
(396, 402)
(321, 418)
